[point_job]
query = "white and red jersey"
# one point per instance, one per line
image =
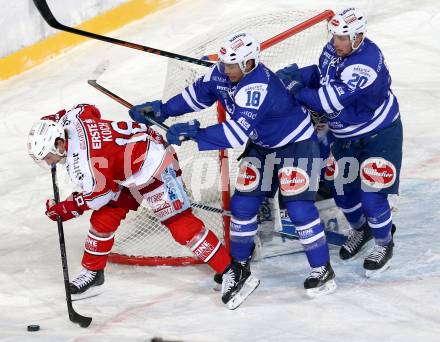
(104, 155)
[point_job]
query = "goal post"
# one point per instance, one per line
(286, 37)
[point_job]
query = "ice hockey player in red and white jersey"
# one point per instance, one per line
(117, 164)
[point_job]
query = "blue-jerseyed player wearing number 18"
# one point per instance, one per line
(281, 152)
(351, 87)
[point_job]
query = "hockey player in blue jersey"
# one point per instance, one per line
(351, 86)
(281, 152)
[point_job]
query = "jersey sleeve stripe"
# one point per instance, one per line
(187, 98)
(306, 135)
(356, 130)
(324, 103)
(333, 98)
(239, 137)
(306, 122)
(231, 138)
(207, 76)
(193, 95)
(243, 136)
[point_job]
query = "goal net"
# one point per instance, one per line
(286, 37)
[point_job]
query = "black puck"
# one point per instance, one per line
(33, 327)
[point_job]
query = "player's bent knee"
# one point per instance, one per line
(302, 212)
(245, 207)
(183, 227)
(107, 219)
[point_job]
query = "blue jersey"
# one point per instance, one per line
(353, 92)
(259, 106)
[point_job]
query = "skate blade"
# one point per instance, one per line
(90, 293)
(327, 288)
(217, 287)
(376, 273)
(248, 287)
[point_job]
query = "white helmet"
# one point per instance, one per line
(42, 137)
(349, 22)
(239, 48)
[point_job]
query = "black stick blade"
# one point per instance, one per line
(83, 321)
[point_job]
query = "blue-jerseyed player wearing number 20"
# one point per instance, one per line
(351, 87)
(281, 152)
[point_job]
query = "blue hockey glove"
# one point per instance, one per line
(291, 77)
(151, 109)
(178, 132)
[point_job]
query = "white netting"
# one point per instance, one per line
(141, 235)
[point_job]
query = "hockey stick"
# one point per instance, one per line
(123, 102)
(47, 15)
(75, 317)
(127, 104)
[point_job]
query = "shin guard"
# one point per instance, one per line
(96, 251)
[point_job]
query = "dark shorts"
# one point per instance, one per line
(294, 169)
(371, 163)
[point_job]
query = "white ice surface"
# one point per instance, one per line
(178, 303)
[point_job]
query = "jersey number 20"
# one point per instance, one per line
(357, 81)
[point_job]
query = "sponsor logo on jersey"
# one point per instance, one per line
(248, 177)
(250, 115)
(222, 88)
(363, 70)
(222, 50)
(293, 180)
(331, 116)
(328, 56)
(81, 136)
(331, 169)
(243, 123)
(76, 170)
(219, 79)
(334, 124)
(256, 86)
(339, 90)
(378, 173)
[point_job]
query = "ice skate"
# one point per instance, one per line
(87, 284)
(320, 281)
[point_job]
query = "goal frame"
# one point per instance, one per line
(223, 162)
